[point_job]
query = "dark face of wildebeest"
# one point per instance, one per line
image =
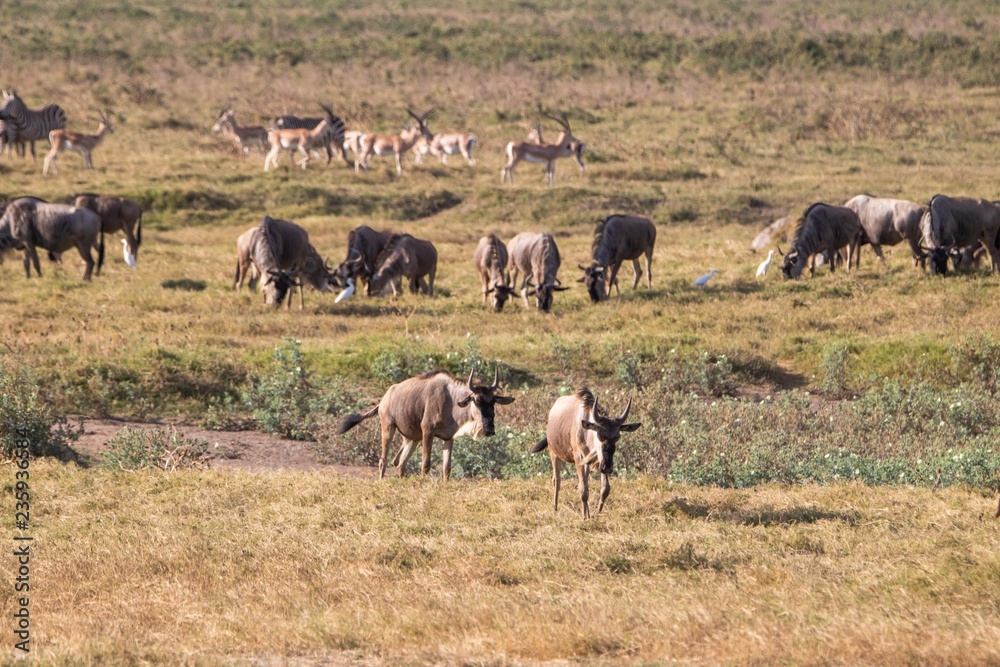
(607, 431)
(594, 279)
(544, 293)
(938, 260)
(277, 284)
(499, 295)
(486, 400)
(793, 265)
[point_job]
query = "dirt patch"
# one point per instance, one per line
(238, 450)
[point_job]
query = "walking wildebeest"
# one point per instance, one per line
(116, 213)
(431, 405)
(29, 223)
(581, 434)
(822, 228)
(405, 257)
(537, 256)
(364, 245)
(888, 222)
(490, 260)
(280, 250)
(617, 238)
(952, 223)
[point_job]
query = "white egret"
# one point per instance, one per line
(346, 294)
(129, 257)
(765, 265)
(703, 280)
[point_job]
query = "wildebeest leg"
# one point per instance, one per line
(446, 460)
(876, 248)
(302, 303)
(425, 458)
(584, 485)
(28, 252)
(994, 255)
(524, 288)
(415, 284)
(605, 490)
(556, 478)
(388, 432)
(88, 259)
(613, 279)
(430, 282)
(637, 272)
(403, 455)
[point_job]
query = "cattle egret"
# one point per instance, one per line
(703, 280)
(346, 294)
(765, 265)
(129, 257)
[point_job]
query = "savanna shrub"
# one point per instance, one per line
(24, 415)
(155, 449)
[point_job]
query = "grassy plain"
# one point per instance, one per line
(712, 119)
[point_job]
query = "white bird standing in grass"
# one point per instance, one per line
(765, 265)
(129, 257)
(346, 294)
(703, 280)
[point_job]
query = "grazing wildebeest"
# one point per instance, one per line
(280, 250)
(822, 228)
(581, 434)
(405, 257)
(431, 405)
(952, 223)
(537, 256)
(29, 223)
(116, 213)
(617, 238)
(364, 245)
(490, 260)
(888, 222)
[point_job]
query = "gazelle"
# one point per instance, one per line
(242, 136)
(565, 146)
(444, 144)
(384, 145)
(353, 142)
(65, 140)
(300, 140)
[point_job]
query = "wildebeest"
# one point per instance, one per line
(29, 223)
(580, 433)
(116, 213)
(888, 222)
(364, 245)
(405, 257)
(822, 228)
(279, 250)
(490, 260)
(617, 238)
(537, 256)
(431, 405)
(952, 223)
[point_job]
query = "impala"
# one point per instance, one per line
(383, 145)
(565, 146)
(300, 140)
(242, 136)
(444, 144)
(65, 140)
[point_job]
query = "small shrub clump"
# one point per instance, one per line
(155, 449)
(24, 415)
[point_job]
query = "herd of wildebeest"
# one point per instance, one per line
(278, 256)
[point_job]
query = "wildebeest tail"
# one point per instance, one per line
(100, 252)
(138, 233)
(350, 421)
(540, 445)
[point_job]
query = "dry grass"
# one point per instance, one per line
(210, 567)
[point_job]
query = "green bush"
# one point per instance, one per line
(25, 416)
(155, 449)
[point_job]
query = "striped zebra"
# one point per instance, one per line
(334, 135)
(30, 125)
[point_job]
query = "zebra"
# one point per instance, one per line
(30, 125)
(334, 134)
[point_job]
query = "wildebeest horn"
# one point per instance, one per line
(593, 411)
(779, 251)
(582, 267)
(496, 378)
(471, 373)
(628, 406)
